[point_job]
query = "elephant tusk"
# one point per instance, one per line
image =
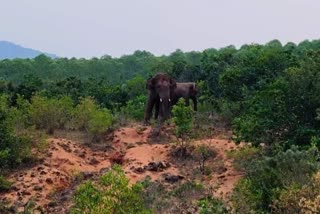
(161, 100)
(169, 100)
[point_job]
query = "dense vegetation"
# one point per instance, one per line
(269, 94)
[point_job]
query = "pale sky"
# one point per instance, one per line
(83, 28)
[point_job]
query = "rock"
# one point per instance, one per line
(87, 175)
(139, 170)
(221, 176)
(43, 172)
(157, 166)
(40, 168)
(173, 178)
(57, 173)
(94, 161)
(15, 188)
(221, 170)
(117, 157)
(52, 204)
(104, 170)
(25, 192)
(37, 188)
(49, 180)
(82, 155)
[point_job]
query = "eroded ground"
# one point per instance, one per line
(66, 163)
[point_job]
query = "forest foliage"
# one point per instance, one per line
(269, 95)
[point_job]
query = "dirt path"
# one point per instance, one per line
(65, 160)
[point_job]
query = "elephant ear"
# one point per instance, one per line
(150, 83)
(173, 83)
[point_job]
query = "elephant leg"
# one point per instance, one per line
(156, 113)
(195, 103)
(148, 110)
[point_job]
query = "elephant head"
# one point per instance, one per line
(161, 88)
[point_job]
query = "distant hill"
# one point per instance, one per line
(9, 50)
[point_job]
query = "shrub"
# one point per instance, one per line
(13, 149)
(112, 194)
(99, 122)
(202, 154)
(244, 156)
(50, 113)
(211, 205)
(83, 112)
(134, 108)
(295, 199)
(4, 184)
(183, 117)
(267, 176)
(89, 117)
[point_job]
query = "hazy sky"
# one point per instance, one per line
(84, 28)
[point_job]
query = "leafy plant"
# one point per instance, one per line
(134, 108)
(267, 176)
(4, 184)
(210, 205)
(203, 153)
(50, 113)
(183, 119)
(111, 194)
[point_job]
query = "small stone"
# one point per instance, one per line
(15, 188)
(173, 178)
(104, 170)
(221, 176)
(52, 204)
(40, 168)
(139, 170)
(49, 180)
(25, 192)
(87, 175)
(94, 161)
(37, 188)
(222, 170)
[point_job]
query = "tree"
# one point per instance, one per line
(183, 117)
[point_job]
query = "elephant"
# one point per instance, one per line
(186, 90)
(160, 91)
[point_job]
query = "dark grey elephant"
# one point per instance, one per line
(186, 90)
(160, 90)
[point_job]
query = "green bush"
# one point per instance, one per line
(111, 194)
(183, 118)
(134, 108)
(297, 199)
(4, 184)
(99, 122)
(13, 149)
(50, 113)
(285, 110)
(267, 176)
(243, 157)
(212, 205)
(89, 117)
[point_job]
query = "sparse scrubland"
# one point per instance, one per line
(71, 138)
